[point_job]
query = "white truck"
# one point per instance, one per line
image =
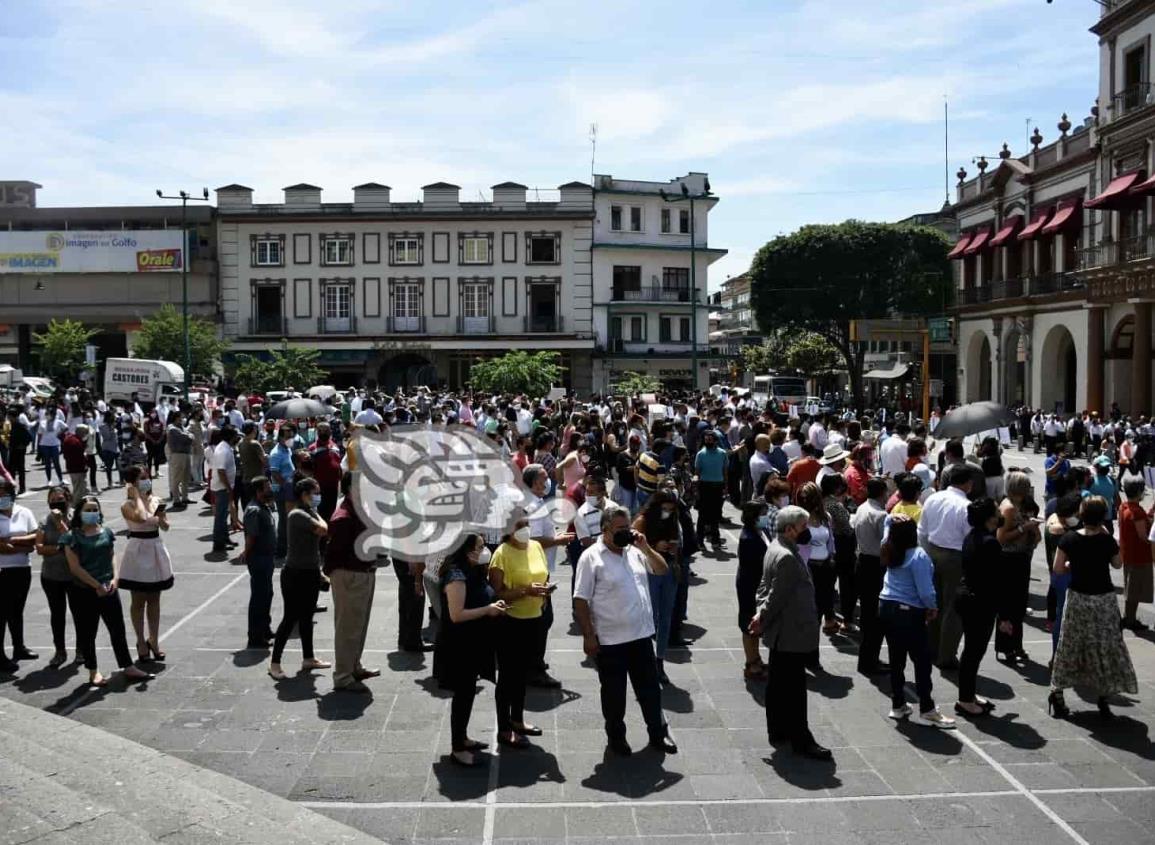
(149, 380)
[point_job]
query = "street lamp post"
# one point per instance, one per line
(686, 196)
(184, 198)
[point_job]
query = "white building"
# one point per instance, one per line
(651, 257)
(405, 293)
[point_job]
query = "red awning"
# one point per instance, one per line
(957, 252)
(1144, 188)
(1067, 216)
(1116, 196)
(1035, 227)
(1010, 226)
(980, 241)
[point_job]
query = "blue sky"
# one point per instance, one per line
(800, 111)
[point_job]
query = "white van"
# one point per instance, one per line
(149, 380)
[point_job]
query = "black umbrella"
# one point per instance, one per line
(298, 409)
(973, 418)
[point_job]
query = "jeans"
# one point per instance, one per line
(260, 596)
(220, 520)
(978, 624)
(57, 594)
(89, 610)
(50, 455)
(515, 646)
(15, 582)
(1060, 583)
(868, 578)
(786, 697)
(905, 628)
(663, 592)
(634, 660)
(299, 590)
(108, 459)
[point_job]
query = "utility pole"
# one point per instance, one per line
(184, 198)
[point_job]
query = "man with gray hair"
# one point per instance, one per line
(787, 620)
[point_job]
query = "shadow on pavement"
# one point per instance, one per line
(1004, 726)
(1120, 732)
(930, 740)
(638, 776)
(337, 706)
(803, 773)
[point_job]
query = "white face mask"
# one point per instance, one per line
(596, 501)
(522, 535)
(1072, 521)
(485, 557)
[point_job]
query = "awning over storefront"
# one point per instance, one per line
(979, 241)
(1067, 216)
(897, 371)
(1117, 195)
(1144, 188)
(957, 252)
(1035, 227)
(1010, 226)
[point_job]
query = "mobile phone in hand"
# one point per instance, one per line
(551, 587)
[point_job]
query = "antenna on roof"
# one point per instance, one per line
(946, 147)
(593, 148)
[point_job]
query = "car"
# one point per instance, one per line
(274, 396)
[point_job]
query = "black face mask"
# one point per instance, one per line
(803, 537)
(623, 537)
(59, 507)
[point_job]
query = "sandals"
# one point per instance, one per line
(156, 652)
(132, 673)
(97, 680)
(831, 627)
(142, 653)
(276, 672)
(464, 758)
(513, 740)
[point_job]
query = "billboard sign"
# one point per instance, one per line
(74, 251)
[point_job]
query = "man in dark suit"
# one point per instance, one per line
(787, 620)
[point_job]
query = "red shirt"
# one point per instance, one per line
(341, 550)
(856, 478)
(804, 471)
(326, 464)
(1133, 546)
(72, 450)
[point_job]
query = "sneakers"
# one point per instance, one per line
(900, 712)
(935, 719)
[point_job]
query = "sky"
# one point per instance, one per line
(801, 111)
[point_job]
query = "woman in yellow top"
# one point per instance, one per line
(519, 576)
(909, 489)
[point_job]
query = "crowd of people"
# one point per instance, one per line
(859, 528)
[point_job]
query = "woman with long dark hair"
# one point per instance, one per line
(819, 554)
(658, 520)
(55, 575)
(145, 566)
(983, 590)
(465, 641)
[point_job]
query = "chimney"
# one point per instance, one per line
(232, 197)
(372, 196)
(441, 196)
(576, 195)
(509, 196)
(303, 196)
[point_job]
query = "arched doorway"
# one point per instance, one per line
(1059, 365)
(1119, 358)
(978, 368)
(1015, 368)
(406, 371)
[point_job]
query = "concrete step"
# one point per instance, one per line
(61, 780)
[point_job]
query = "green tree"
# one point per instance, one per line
(632, 383)
(770, 354)
(162, 338)
(812, 355)
(288, 367)
(517, 372)
(62, 348)
(822, 277)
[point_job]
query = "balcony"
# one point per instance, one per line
(275, 326)
(544, 325)
(651, 293)
(1042, 285)
(337, 325)
(405, 325)
(1133, 97)
(1110, 253)
(652, 349)
(475, 325)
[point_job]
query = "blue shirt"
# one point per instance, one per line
(1064, 468)
(912, 583)
(1102, 485)
(281, 461)
(710, 464)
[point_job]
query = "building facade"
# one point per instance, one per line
(397, 294)
(651, 259)
(106, 267)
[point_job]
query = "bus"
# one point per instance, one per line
(790, 390)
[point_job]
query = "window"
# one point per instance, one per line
(475, 301)
(664, 330)
(627, 282)
(674, 330)
(616, 218)
(543, 249)
(637, 329)
(665, 221)
(336, 249)
(407, 300)
(337, 302)
(268, 252)
(684, 221)
(406, 250)
(475, 249)
(635, 218)
(685, 321)
(676, 284)
(628, 329)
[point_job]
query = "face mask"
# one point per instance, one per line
(783, 501)
(5, 503)
(274, 486)
(522, 535)
(764, 522)
(485, 557)
(59, 507)
(316, 500)
(585, 459)
(90, 517)
(1072, 521)
(595, 501)
(623, 537)
(803, 537)
(144, 486)
(667, 514)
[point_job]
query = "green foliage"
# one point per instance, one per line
(768, 355)
(812, 355)
(288, 367)
(517, 372)
(62, 348)
(821, 277)
(632, 383)
(162, 338)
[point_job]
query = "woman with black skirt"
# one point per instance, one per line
(465, 643)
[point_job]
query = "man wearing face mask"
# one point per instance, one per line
(612, 607)
(543, 530)
(787, 620)
(260, 548)
(710, 467)
(281, 481)
(587, 523)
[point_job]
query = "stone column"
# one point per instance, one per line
(1094, 401)
(1141, 361)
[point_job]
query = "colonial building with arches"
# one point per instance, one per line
(1055, 263)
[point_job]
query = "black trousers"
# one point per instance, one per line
(710, 495)
(299, 590)
(410, 608)
(89, 610)
(978, 624)
(15, 582)
(844, 547)
(91, 461)
(516, 644)
(57, 594)
(786, 697)
(906, 634)
(823, 574)
(460, 710)
(1017, 565)
(868, 578)
(328, 502)
(634, 660)
(15, 464)
(541, 637)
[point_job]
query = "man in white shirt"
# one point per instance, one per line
(368, 415)
(223, 468)
(542, 529)
(612, 607)
(760, 462)
(893, 452)
(817, 434)
(941, 530)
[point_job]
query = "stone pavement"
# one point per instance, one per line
(380, 764)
